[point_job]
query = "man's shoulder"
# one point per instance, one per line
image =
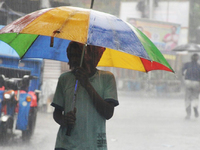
(187, 64)
(65, 75)
(106, 73)
(106, 76)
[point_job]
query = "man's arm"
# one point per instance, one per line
(58, 117)
(104, 108)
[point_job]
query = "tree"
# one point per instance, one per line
(194, 21)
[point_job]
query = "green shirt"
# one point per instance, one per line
(89, 131)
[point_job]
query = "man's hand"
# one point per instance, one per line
(65, 120)
(69, 119)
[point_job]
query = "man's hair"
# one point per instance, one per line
(195, 57)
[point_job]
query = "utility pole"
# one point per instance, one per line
(151, 9)
(45, 4)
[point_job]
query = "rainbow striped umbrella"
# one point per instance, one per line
(46, 34)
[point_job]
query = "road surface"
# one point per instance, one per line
(138, 124)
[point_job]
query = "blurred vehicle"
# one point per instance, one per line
(189, 48)
(20, 86)
(17, 107)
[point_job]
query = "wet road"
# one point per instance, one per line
(153, 124)
(138, 124)
(43, 138)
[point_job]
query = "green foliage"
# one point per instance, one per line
(194, 19)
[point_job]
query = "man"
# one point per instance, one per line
(95, 101)
(191, 70)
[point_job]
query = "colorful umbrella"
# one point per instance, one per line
(46, 34)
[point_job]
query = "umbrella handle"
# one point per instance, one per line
(69, 128)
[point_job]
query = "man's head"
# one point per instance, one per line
(74, 54)
(91, 57)
(195, 57)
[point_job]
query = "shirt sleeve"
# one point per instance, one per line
(58, 100)
(110, 92)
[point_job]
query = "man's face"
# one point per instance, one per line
(75, 58)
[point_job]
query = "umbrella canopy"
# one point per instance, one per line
(5, 49)
(190, 47)
(126, 46)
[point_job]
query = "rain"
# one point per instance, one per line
(152, 113)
